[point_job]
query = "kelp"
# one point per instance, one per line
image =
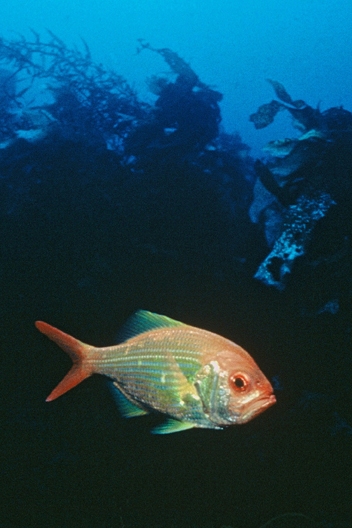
(300, 181)
(88, 99)
(304, 115)
(81, 100)
(94, 129)
(178, 65)
(186, 115)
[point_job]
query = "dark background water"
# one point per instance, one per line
(87, 237)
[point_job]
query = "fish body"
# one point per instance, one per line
(194, 377)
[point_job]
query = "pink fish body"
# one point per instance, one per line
(193, 376)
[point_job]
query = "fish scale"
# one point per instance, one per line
(187, 359)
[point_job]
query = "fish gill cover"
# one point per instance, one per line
(108, 204)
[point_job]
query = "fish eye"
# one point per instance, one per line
(239, 382)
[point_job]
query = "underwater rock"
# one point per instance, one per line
(300, 220)
(329, 307)
(303, 177)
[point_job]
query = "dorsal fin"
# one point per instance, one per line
(143, 321)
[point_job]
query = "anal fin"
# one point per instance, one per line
(127, 408)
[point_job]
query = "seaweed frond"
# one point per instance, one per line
(87, 96)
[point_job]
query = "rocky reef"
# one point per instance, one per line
(305, 180)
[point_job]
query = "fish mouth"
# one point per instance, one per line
(258, 407)
(269, 401)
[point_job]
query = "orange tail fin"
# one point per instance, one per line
(77, 351)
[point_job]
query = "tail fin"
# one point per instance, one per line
(78, 352)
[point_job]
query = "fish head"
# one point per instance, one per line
(233, 389)
(250, 393)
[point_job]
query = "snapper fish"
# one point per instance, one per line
(194, 377)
